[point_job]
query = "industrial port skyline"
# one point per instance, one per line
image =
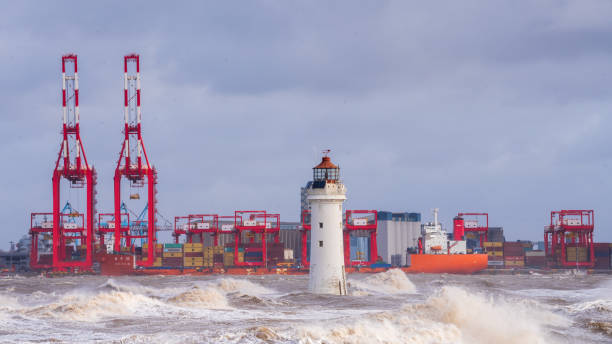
(240, 126)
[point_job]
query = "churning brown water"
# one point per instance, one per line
(389, 307)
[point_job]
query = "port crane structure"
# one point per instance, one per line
(133, 163)
(72, 166)
(570, 229)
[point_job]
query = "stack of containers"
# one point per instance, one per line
(172, 255)
(208, 256)
(228, 255)
(576, 253)
(514, 255)
(193, 255)
(217, 257)
(253, 253)
(159, 249)
(213, 256)
(535, 259)
(495, 253)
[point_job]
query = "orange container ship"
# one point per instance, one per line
(438, 254)
(447, 263)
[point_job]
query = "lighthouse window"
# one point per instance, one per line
(321, 243)
(320, 224)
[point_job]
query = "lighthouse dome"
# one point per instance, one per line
(326, 171)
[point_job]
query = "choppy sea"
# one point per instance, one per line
(389, 307)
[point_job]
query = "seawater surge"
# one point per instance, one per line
(389, 307)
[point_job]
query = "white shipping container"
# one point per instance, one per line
(360, 222)
(288, 254)
(249, 223)
(470, 224)
(227, 227)
(70, 226)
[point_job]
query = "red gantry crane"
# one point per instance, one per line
(72, 166)
(131, 164)
(40, 223)
(247, 221)
(360, 220)
(568, 240)
(471, 224)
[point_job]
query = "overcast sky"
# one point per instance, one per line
(494, 106)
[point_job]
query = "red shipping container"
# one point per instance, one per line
(535, 261)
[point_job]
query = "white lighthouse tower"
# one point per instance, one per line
(325, 196)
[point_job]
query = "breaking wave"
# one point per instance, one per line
(118, 299)
(453, 315)
(393, 281)
(87, 307)
(209, 298)
(241, 286)
(600, 306)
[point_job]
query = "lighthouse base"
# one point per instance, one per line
(327, 279)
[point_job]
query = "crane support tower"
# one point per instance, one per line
(181, 226)
(71, 165)
(305, 230)
(40, 224)
(357, 221)
(471, 222)
(568, 239)
(325, 196)
(253, 222)
(131, 164)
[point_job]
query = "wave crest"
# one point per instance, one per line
(209, 298)
(453, 315)
(393, 281)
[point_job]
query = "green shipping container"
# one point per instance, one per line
(173, 245)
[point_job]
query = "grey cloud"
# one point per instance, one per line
(493, 106)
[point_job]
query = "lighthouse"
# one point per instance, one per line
(325, 197)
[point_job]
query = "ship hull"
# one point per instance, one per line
(447, 263)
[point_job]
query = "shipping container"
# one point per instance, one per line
(535, 261)
(513, 249)
(173, 245)
(577, 254)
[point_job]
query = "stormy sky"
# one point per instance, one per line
(494, 106)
